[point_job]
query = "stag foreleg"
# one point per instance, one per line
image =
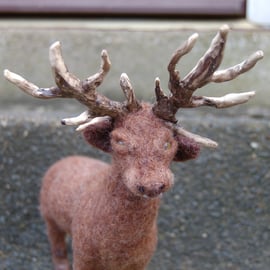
(57, 240)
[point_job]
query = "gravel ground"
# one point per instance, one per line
(217, 216)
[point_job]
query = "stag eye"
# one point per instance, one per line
(167, 145)
(120, 142)
(120, 145)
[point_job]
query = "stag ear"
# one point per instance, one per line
(98, 134)
(187, 148)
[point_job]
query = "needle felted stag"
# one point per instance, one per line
(111, 210)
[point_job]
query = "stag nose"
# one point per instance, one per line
(153, 190)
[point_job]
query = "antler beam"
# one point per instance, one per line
(69, 86)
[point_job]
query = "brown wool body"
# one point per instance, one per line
(110, 210)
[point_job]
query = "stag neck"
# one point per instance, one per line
(131, 212)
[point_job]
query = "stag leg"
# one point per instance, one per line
(57, 240)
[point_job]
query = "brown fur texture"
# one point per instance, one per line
(111, 210)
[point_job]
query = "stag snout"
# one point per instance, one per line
(152, 191)
(149, 185)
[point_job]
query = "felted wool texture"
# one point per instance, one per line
(111, 210)
(187, 148)
(98, 135)
(110, 227)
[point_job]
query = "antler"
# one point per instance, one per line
(204, 72)
(69, 86)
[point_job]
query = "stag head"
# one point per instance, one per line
(103, 116)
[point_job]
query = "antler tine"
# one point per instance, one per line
(185, 48)
(58, 67)
(30, 88)
(106, 63)
(77, 120)
(92, 82)
(163, 108)
(226, 101)
(209, 63)
(63, 78)
(159, 92)
(197, 138)
(233, 72)
(132, 103)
